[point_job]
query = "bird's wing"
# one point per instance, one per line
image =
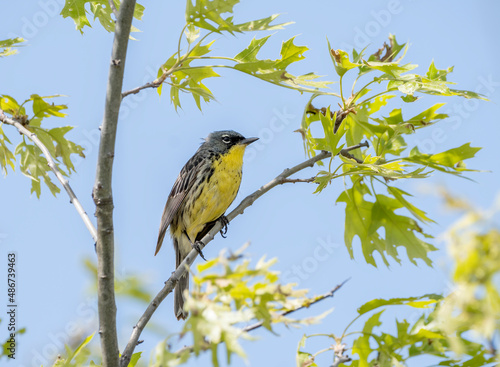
(181, 187)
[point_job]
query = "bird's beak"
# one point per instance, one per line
(248, 141)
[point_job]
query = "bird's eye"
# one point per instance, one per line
(226, 140)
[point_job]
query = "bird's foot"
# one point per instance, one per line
(225, 222)
(197, 247)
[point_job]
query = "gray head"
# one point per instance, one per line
(222, 141)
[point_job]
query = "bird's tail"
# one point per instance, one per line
(183, 282)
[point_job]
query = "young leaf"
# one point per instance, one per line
(361, 345)
(418, 302)
(34, 165)
(274, 71)
(7, 44)
(6, 156)
(208, 14)
(43, 109)
(75, 9)
(449, 161)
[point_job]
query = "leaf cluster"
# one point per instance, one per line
(407, 344)
(101, 10)
(205, 18)
(473, 305)
(32, 162)
(228, 294)
(377, 212)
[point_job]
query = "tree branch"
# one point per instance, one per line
(189, 259)
(102, 192)
(53, 166)
(316, 300)
(296, 180)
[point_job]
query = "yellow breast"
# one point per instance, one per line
(218, 193)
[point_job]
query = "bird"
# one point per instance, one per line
(205, 188)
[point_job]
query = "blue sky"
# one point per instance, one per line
(154, 142)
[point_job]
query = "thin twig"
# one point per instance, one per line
(53, 166)
(338, 355)
(296, 180)
(189, 259)
(316, 300)
(102, 191)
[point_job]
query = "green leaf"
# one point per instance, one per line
(211, 15)
(79, 349)
(6, 157)
(425, 301)
(303, 358)
(398, 195)
(274, 71)
(7, 44)
(331, 140)
(341, 61)
(192, 33)
(435, 74)
(190, 80)
(361, 345)
(43, 109)
(206, 13)
(134, 359)
(263, 24)
(365, 219)
(449, 161)
(399, 230)
(10, 106)
(76, 10)
(34, 165)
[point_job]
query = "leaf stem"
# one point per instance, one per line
(341, 92)
(179, 42)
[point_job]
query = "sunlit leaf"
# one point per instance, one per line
(100, 9)
(6, 46)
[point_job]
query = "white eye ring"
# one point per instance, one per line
(226, 140)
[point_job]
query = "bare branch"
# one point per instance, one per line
(102, 192)
(52, 164)
(296, 180)
(316, 300)
(338, 355)
(182, 268)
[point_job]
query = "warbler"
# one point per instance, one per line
(204, 189)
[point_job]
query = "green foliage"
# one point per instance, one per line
(6, 46)
(409, 341)
(370, 195)
(228, 294)
(100, 9)
(32, 162)
(474, 303)
(77, 357)
(5, 346)
(216, 17)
